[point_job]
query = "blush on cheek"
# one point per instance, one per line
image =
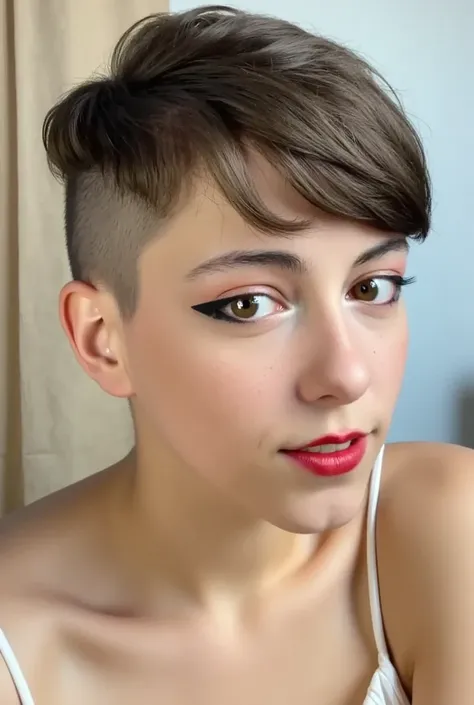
(392, 360)
(399, 361)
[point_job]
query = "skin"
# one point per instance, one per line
(171, 573)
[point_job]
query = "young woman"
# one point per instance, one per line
(240, 195)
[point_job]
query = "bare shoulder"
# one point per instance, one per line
(32, 541)
(36, 541)
(44, 568)
(427, 496)
(8, 693)
(425, 531)
(432, 467)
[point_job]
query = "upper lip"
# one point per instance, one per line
(332, 438)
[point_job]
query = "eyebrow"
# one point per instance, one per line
(392, 244)
(286, 260)
(250, 258)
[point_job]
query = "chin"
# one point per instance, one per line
(316, 517)
(295, 525)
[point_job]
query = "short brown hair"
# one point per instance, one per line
(199, 89)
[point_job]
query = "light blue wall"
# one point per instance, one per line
(426, 51)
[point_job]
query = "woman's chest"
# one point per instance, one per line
(312, 657)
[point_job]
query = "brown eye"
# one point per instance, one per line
(367, 290)
(246, 307)
(250, 307)
(241, 309)
(378, 291)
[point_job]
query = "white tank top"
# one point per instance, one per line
(385, 687)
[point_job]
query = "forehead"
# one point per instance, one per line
(206, 224)
(267, 184)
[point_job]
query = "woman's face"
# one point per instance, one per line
(245, 344)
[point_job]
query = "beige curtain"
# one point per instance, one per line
(56, 426)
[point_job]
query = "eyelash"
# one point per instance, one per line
(396, 279)
(213, 309)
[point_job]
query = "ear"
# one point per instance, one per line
(91, 322)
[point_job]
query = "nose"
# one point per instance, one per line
(337, 370)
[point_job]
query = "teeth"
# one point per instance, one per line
(328, 447)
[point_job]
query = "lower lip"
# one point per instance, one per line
(340, 462)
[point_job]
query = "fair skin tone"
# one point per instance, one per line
(169, 575)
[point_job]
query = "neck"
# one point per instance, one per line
(196, 540)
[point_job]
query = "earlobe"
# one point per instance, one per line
(89, 324)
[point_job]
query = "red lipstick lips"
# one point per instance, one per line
(331, 455)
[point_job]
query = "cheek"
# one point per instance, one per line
(388, 361)
(196, 392)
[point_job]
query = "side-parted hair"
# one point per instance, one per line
(200, 90)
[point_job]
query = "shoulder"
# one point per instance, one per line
(427, 496)
(30, 550)
(45, 547)
(425, 533)
(43, 574)
(430, 466)
(8, 693)
(18, 621)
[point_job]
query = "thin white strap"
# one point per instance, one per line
(13, 666)
(374, 592)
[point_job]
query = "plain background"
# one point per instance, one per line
(426, 51)
(56, 425)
